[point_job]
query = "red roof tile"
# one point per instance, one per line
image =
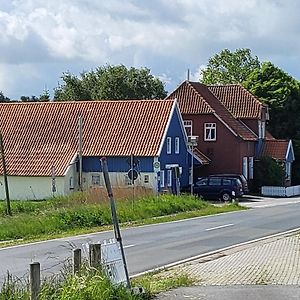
(196, 98)
(276, 149)
(239, 101)
(38, 136)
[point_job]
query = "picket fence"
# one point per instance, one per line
(280, 191)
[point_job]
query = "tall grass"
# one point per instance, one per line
(88, 284)
(32, 219)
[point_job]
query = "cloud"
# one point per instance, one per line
(167, 36)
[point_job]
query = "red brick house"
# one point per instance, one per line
(230, 123)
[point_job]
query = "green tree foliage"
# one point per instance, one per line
(110, 82)
(281, 92)
(268, 172)
(230, 67)
(3, 98)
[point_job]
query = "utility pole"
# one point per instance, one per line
(80, 152)
(8, 209)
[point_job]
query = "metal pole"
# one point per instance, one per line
(114, 215)
(8, 209)
(80, 152)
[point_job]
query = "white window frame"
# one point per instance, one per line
(208, 129)
(188, 124)
(169, 145)
(98, 183)
(162, 178)
(169, 179)
(177, 145)
(146, 178)
(71, 183)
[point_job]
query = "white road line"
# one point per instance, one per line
(218, 227)
(128, 246)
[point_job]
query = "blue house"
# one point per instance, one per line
(143, 138)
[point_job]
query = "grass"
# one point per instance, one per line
(79, 213)
(91, 283)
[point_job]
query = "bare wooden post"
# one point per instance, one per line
(8, 209)
(95, 255)
(76, 260)
(35, 280)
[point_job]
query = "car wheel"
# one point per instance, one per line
(225, 196)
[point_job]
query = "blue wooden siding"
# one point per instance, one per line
(182, 158)
(116, 164)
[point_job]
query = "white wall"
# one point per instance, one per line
(119, 179)
(31, 188)
(37, 188)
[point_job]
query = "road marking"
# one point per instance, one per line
(128, 246)
(218, 227)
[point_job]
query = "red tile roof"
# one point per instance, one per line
(196, 98)
(239, 101)
(38, 136)
(204, 159)
(276, 149)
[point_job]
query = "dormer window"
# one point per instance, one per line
(188, 125)
(210, 131)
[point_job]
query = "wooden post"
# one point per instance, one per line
(8, 209)
(35, 280)
(95, 255)
(76, 260)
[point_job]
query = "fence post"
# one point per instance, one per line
(95, 255)
(35, 280)
(76, 260)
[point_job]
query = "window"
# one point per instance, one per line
(169, 145)
(251, 167)
(146, 178)
(71, 183)
(215, 181)
(226, 182)
(95, 179)
(169, 177)
(162, 178)
(188, 125)
(245, 167)
(210, 132)
(202, 182)
(177, 145)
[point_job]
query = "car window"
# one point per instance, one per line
(226, 181)
(215, 181)
(202, 182)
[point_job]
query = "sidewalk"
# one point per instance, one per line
(267, 269)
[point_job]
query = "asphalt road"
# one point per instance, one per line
(151, 246)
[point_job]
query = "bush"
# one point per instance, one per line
(267, 172)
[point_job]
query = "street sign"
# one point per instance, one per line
(132, 174)
(156, 166)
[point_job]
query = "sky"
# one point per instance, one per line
(41, 39)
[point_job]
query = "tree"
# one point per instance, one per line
(45, 96)
(29, 99)
(3, 98)
(230, 67)
(282, 94)
(267, 172)
(110, 82)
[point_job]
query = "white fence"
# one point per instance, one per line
(280, 191)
